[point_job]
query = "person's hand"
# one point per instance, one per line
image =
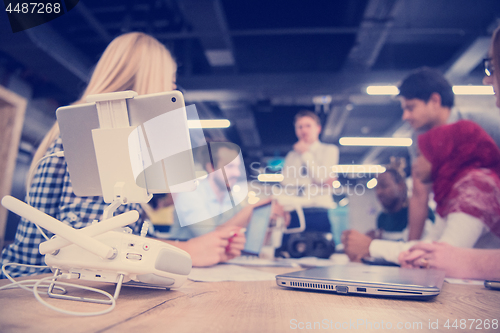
(217, 246)
(301, 147)
(356, 244)
(455, 261)
(413, 258)
(374, 234)
(236, 244)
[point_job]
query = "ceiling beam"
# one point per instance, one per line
(209, 22)
(400, 35)
(469, 59)
(53, 44)
(372, 34)
(48, 57)
(224, 28)
(93, 22)
(266, 86)
(371, 37)
(335, 123)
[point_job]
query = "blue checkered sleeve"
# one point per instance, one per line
(51, 192)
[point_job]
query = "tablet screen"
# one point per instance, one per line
(256, 229)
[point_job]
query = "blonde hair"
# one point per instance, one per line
(132, 61)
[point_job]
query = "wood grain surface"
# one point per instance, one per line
(252, 307)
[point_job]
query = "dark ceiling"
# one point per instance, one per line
(259, 62)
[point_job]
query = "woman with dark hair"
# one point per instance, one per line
(461, 262)
(463, 164)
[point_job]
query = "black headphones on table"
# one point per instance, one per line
(310, 244)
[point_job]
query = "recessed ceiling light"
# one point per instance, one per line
(381, 142)
(457, 90)
(209, 123)
(382, 90)
(473, 90)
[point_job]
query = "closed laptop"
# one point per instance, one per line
(358, 279)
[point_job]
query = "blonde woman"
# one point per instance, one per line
(133, 61)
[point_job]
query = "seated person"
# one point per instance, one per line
(462, 162)
(215, 203)
(132, 61)
(392, 193)
(427, 100)
(459, 262)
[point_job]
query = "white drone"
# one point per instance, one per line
(105, 251)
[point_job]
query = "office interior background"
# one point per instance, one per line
(257, 63)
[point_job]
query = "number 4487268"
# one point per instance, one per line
(472, 324)
(34, 8)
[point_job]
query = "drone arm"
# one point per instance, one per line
(48, 222)
(121, 220)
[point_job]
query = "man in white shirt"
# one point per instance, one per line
(308, 171)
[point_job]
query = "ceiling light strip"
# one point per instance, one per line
(209, 123)
(375, 142)
(457, 90)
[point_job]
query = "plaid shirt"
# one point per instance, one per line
(51, 192)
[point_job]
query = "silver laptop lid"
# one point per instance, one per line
(366, 280)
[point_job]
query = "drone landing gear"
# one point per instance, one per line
(57, 273)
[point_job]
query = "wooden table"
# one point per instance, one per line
(251, 307)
